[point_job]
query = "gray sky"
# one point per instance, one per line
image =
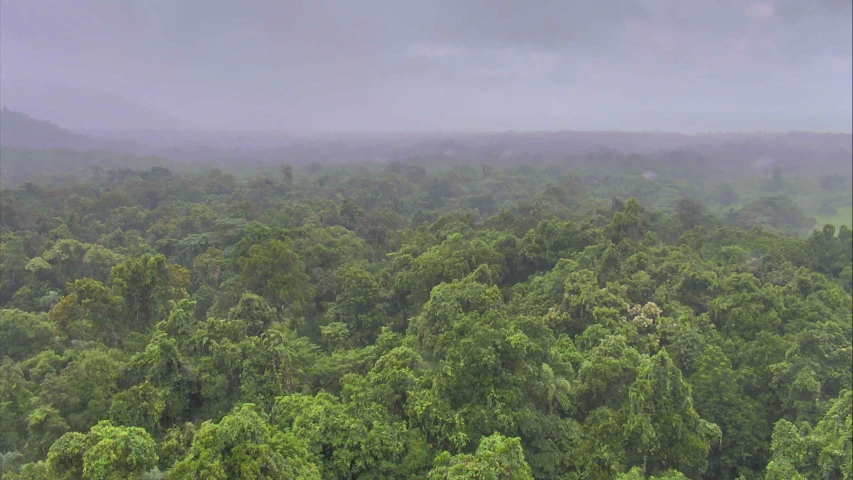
(455, 64)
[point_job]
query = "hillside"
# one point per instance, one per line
(22, 131)
(83, 109)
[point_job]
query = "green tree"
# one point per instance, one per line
(15, 401)
(146, 285)
(663, 428)
(139, 406)
(83, 389)
(45, 425)
(273, 271)
(346, 440)
(244, 446)
(24, 334)
(726, 194)
(276, 363)
(107, 452)
(359, 305)
(636, 473)
(287, 175)
(789, 453)
(825, 451)
(89, 311)
(497, 458)
(207, 267)
(718, 398)
(13, 259)
(690, 213)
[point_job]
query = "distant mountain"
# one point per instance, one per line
(84, 109)
(56, 166)
(22, 131)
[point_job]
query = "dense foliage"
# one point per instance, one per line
(394, 321)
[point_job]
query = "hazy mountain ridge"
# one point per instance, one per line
(83, 109)
(792, 151)
(22, 131)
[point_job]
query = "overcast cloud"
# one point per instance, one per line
(446, 65)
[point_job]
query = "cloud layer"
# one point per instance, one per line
(472, 65)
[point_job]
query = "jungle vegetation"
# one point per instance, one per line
(603, 316)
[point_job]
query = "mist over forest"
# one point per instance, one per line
(444, 240)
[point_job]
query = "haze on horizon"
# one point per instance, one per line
(473, 65)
